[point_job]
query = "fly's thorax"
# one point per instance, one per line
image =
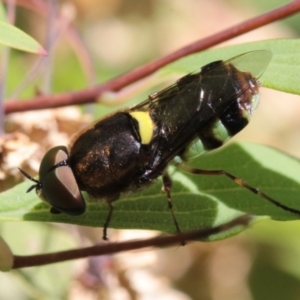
(108, 158)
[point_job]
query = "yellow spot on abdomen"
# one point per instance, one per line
(146, 125)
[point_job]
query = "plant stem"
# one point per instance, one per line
(110, 248)
(90, 95)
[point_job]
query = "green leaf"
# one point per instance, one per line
(199, 201)
(282, 73)
(13, 37)
(2, 12)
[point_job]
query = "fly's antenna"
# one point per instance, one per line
(38, 183)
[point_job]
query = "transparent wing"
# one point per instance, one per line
(254, 62)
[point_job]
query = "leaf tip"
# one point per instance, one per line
(42, 51)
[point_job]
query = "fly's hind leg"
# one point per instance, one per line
(167, 185)
(107, 221)
(240, 182)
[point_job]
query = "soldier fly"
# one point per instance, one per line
(130, 149)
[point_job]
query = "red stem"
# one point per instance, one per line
(110, 248)
(91, 94)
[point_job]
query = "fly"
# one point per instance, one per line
(130, 149)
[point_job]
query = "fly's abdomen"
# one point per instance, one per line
(234, 118)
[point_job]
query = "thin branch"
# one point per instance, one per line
(110, 248)
(91, 94)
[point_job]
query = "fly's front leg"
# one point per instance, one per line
(167, 185)
(240, 182)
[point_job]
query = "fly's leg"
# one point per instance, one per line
(107, 221)
(240, 182)
(167, 185)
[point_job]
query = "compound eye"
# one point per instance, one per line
(59, 186)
